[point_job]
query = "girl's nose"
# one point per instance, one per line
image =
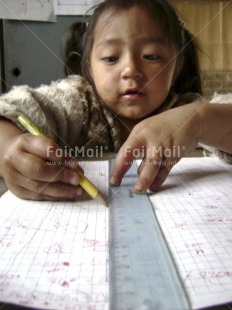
(131, 69)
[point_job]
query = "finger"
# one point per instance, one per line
(122, 163)
(29, 189)
(37, 169)
(42, 147)
(166, 166)
(57, 189)
(72, 163)
(159, 179)
(45, 148)
(24, 193)
(148, 170)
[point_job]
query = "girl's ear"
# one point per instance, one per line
(74, 48)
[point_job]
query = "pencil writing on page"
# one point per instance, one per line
(85, 183)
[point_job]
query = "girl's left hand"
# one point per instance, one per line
(163, 140)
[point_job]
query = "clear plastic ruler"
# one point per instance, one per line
(142, 272)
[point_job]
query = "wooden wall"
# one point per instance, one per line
(211, 22)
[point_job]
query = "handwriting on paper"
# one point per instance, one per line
(195, 214)
(54, 255)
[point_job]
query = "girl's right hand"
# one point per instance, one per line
(34, 167)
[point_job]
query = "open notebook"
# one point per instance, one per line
(54, 255)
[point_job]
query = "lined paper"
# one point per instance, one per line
(194, 210)
(54, 255)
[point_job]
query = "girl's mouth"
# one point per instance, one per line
(133, 93)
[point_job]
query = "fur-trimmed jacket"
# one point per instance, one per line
(69, 112)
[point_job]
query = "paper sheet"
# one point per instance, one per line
(55, 255)
(194, 209)
(73, 7)
(36, 10)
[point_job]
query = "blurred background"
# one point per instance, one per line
(31, 52)
(211, 22)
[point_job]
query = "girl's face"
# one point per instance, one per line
(132, 64)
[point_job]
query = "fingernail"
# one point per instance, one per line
(114, 181)
(138, 189)
(79, 191)
(71, 163)
(71, 177)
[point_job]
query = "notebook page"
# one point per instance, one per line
(194, 209)
(54, 255)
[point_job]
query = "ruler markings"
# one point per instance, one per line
(142, 273)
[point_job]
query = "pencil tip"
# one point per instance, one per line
(101, 200)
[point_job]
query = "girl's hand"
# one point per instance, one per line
(163, 140)
(35, 168)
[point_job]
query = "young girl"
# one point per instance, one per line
(134, 85)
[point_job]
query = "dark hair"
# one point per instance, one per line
(74, 48)
(81, 38)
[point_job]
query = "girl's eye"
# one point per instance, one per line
(110, 59)
(151, 57)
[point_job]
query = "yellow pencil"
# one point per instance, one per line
(84, 182)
